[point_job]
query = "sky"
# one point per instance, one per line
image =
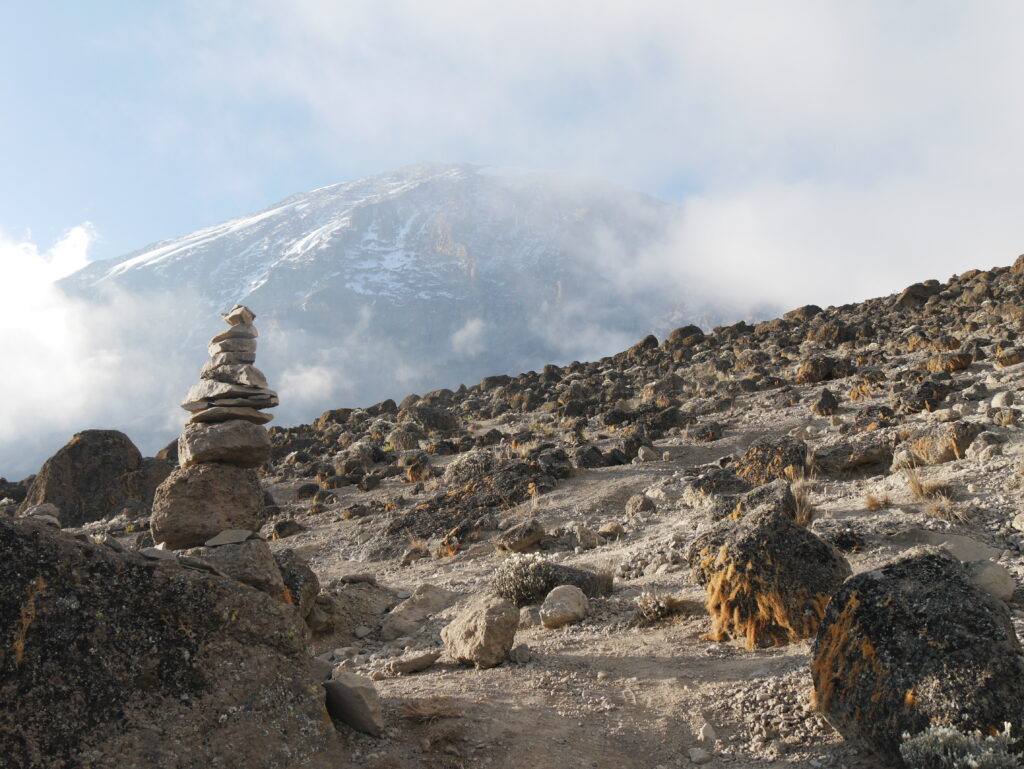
(819, 150)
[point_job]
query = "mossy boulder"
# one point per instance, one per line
(768, 579)
(916, 644)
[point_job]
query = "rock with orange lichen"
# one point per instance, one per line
(767, 578)
(915, 644)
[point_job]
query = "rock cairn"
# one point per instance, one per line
(215, 487)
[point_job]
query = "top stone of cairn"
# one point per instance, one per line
(239, 314)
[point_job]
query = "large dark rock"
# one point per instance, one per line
(915, 644)
(768, 579)
(92, 475)
(108, 659)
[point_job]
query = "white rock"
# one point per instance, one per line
(483, 632)
(992, 578)
(707, 734)
(647, 454)
(1002, 400)
(564, 605)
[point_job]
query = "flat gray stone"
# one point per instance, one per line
(229, 537)
(238, 331)
(157, 554)
(225, 413)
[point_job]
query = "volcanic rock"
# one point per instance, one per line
(235, 442)
(150, 658)
(915, 644)
(768, 580)
(92, 475)
(197, 503)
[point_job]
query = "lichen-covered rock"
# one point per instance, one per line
(197, 503)
(250, 562)
(526, 579)
(711, 484)
(91, 475)
(768, 579)
(770, 458)
(483, 632)
(950, 362)
(300, 580)
(915, 644)
(110, 659)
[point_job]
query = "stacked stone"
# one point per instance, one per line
(215, 487)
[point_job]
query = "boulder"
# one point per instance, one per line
(410, 614)
(770, 458)
(521, 537)
(110, 659)
(299, 580)
(90, 476)
(916, 644)
(871, 451)
(250, 562)
(483, 632)
(944, 443)
(564, 605)
(353, 700)
(197, 503)
(234, 442)
(768, 579)
(826, 404)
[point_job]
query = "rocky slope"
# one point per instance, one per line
(704, 497)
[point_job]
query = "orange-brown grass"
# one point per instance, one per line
(841, 659)
(731, 593)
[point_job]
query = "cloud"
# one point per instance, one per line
(816, 147)
(79, 364)
(308, 385)
(470, 339)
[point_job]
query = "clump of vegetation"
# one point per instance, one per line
(937, 498)
(941, 747)
(652, 608)
(872, 502)
(526, 579)
(801, 486)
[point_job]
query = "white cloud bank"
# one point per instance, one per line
(75, 365)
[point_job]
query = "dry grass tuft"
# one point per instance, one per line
(871, 502)
(945, 509)
(801, 485)
(429, 709)
(937, 498)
